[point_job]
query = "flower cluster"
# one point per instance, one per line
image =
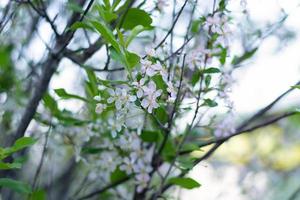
(138, 160)
(226, 127)
(135, 158)
(123, 101)
(201, 56)
(146, 88)
(161, 4)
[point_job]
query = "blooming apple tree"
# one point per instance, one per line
(162, 94)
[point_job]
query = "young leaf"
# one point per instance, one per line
(14, 185)
(138, 29)
(78, 25)
(210, 103)
(22, 143)
(245, 56)
(117, 175)
(132, 59)
(106, 34)
(136, 16)
(296, 86)
(207, 80)
(211, 70)
(6, 166)
(187, 183)
(150, 136)
(195, 77)
(92, 81)
(63, 94)
(38, 195)
(106, 15)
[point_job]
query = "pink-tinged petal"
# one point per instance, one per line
(150, 109)
(152, 86)
(158, 93)
(157, 66)
(150, 72)
(145, 103)
(139, 93)
(118, 104)
(111, 91)
(155, 105)
(142, 81)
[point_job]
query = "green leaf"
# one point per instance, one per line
(83, 25)
(38, 195)
(190, 147)
(106, 34)
(14, 185)
(132, 59)
(186, 162)
(138, 29)
(22, 143)
(50, 103)
(92, 81)
(187, 183)
(72, 5)
(150, 136)
(296, 86)
(160, 83)
(117, 56)
(195, 77)
(197, 24)
(222, 5)
(106, 15)
(169, 151)
(91, 150)
(162, 114)
(248, 54)
(136, 16)
(210, 103)
(117, 175)
(121, 37)
(207, 80)
(211, 70)
(7, 72)
(109, 83)
(223, 56)
(6, 166)
(63, 94)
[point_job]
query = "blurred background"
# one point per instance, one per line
(264, 164)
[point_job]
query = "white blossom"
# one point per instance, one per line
(128, 165)
(142, 181)
(115, 97)
(151, 94)
(214, 23)
(139, 86)
(121, 98)
(226, 126)
(150, 69)
(97, 98)
(100, 108)
(171, 90)
(151, 52)
(162, 3)
(115, 127)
